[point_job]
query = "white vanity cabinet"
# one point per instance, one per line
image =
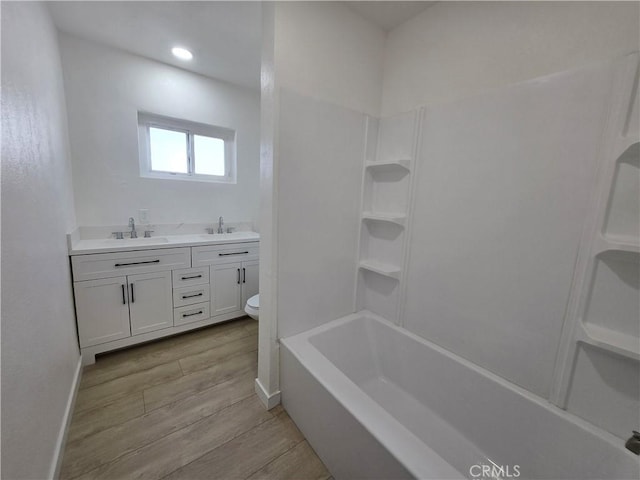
(103, 310)
(114, 308)
(226, 288)
(120, 306)
(150, 306)
(250, 275)
(232, 285)
(234, 274)
(131, 296)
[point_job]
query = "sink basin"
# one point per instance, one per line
(136, 241)
(229, 236)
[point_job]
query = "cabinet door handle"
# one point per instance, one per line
(124, 301)
(191, 277)
(192, 314)
(135, 263)
(234, 253)
(191, 296)
(244, 275)
(133, 298)
(238, 276)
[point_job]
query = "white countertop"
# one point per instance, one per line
(106, 245)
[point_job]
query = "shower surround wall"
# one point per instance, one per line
(556, 37)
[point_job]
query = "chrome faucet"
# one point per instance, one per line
(132, 226)
(633, 443)
(220, 225)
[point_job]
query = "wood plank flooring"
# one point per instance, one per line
(184, 408)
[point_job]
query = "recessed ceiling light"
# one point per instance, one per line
(182, 53)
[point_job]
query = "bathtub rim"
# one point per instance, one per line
(392, 434)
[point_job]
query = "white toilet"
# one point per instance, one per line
(252, 307)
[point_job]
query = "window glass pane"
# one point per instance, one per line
(168, 150)
(209, 155)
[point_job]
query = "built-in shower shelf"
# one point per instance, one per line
(610, 243)
(629, 151)
(396, 218)
(389, 166)
(380, 268)
(610, 340)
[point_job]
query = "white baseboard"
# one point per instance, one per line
(56, 462)
(269, 401)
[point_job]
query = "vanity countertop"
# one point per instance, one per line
(107, 245)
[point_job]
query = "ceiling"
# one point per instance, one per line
(388, 15)
(224, 37)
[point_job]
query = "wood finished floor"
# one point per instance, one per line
(184, 408)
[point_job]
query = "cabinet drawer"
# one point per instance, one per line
(187, 277)
(190, 295)
(229, 253)
(104, 265)
(191, 313)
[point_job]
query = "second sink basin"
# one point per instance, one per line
(137, 241)
(229, 236)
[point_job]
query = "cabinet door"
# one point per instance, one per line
(249, 280)
(101, 307)
(150, 302)
(225, 287)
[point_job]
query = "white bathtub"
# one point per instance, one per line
(375, 401)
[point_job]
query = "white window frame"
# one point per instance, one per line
(147, 120)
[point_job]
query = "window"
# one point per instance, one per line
(182, 150)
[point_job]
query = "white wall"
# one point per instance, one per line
(328, 67)
(456, 49)
(105, 90)
(39, 346)
(321, 151)
(321, 72)
(325, 50)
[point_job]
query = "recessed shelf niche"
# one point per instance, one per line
(613, 406)
(378, 293)
(386, 190)
(382, 242)
(612, 315)
(623, 215)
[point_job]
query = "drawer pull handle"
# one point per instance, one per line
(191, 296)
(192, 314)
(234, 253)
(136, 263)
(191, 277)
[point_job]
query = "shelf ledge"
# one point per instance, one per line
(616, 243)
(395, 218)
(610, 340)
(381, 268)
(390, 166)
